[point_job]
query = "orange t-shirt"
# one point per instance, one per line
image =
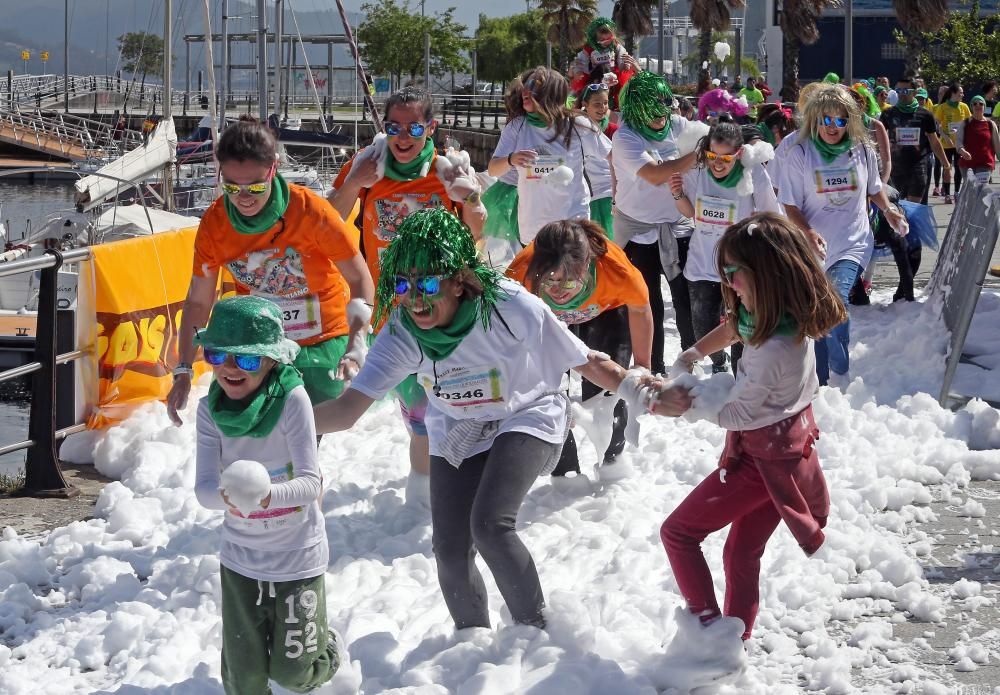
(388, 202)
(292, 263)
(618, 283)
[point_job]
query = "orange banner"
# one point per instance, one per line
(140, 288)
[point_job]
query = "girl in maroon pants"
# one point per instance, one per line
(779, 301)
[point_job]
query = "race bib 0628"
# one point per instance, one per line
(714, 214)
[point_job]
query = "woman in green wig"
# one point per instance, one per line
(285, 243)
(490, 356)
(648, 225)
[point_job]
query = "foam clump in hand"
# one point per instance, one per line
(708, 395)
(562, 175)
(245, 483)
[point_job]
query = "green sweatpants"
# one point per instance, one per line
(318, 363)
(282, 637)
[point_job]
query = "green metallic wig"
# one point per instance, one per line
(871, 108)
(645, 98)
(434, 242)
(594, 27)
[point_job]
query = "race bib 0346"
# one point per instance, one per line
(468, 387)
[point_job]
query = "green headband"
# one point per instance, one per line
(595, 26)
(645, 98)
(433, 242)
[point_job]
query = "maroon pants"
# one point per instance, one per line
(752, 492)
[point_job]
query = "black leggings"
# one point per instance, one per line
(474, 508)
(646, 258)
(607, 333)
(956, 171)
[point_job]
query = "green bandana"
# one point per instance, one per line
(908, 108)
(732, 178)
(650, 134)
(766, 133)
(439, 342)
(579, 300)
(830, 152)
(256, 415)
(745, 324)
(953, 104)
(408, 171)
(607, 119)
(535, 120)
(269, 215)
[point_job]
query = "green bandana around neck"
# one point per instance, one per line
(908, 108)
(767, 134)
(952, 104)
(408, 171)
(745, 325)
(257, 415)
(580, 299)
(732, 178)
(830, 152)
(657, 135)
(440, 341)
(604, 122)
(268, 216)
(535, 120)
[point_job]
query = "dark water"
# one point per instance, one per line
(19, 203)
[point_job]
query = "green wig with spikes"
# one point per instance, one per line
(594, 27)
(434, 242)
(645, 98)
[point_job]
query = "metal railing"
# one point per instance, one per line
(43, 476)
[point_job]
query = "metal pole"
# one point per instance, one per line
(66, 57)
(261, 60)
(848, 41)
(427, 61)
(329, 74)
(168, 79)
(279, 43)
(289, 76)
(225, 65)
(548, 54)
(369, 102)
(660, 38)
(187, 66)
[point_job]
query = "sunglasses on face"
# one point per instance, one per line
(248, 363)
(597, 87)
(414, 129)
(833, 120)
(715, 114)
(427, 284)
(565, 285)
(724, 158)
(905, 91)
(254, 189)
(730, 270)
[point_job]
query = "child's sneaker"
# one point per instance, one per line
(702, 655)
(937, 192)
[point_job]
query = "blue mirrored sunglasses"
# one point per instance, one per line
(427, 284)
(248, 363)
(905, 91)
(597, 87)
(830, 120)
(415, 129)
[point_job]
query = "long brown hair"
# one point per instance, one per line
(566, 245)
(785, 274)
(549, 90)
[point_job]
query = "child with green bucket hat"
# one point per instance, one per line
(490, 356)
(274, 555)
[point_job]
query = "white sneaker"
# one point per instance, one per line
(418, 491)
(839, 381)
(578, 484)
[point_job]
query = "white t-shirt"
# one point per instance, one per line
(541, 200)
(637, 198)
(286, 541)
(599, 174)
(833, 197)
(780, 152)
(508, 373)
(775, 381)
(715, 210)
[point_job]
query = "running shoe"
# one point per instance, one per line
(948, 200)
(937, 192)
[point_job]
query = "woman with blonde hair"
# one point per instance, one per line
(827, 179)
(548, 144)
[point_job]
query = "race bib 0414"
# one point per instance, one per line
(543, 164)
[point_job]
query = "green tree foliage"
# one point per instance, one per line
(966, 49)
(567, 22)
(506, 46)
(392, 40)
(141, 53)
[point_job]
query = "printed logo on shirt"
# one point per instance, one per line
(573, 316)
(276, 272)
(469, 388)
(389, 212)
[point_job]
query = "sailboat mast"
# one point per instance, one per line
(262, 60)
(168, 75)
(225, 66)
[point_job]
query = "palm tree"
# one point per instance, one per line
(567, 21)
(916, 17)
(634, 19)
(708, 16)
(798, 24)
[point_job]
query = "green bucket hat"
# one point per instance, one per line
(433, 242)
(248, 325)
